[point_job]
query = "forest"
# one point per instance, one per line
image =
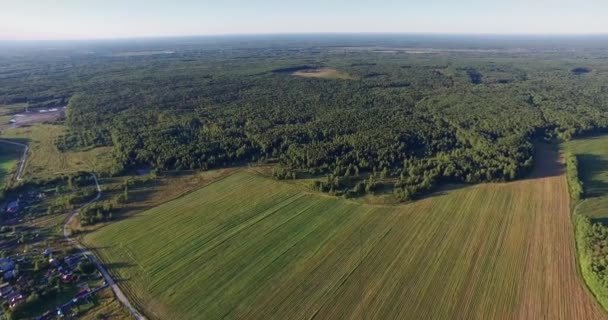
(401, 121)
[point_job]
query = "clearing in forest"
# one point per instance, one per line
(324, 73)
(249, 247)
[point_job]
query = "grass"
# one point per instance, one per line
(592, 155)
(44, 159)
(248, 247)
(9, 158)
(105, 306)
(324, 73)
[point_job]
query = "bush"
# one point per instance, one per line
(86, 267)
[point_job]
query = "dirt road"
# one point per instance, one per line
(119, 294)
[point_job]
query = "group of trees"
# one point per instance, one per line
(592, 243)
(97, 212)
(411, 122)
(575, 185)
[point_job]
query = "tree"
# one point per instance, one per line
(86, 267)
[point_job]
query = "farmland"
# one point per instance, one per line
(250, 247)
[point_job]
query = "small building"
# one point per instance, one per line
(72, 261)
(15, 298)
(11, 274)
(47, 252)
(5, 289)
(82, 293)
(66, 278)
(12, 207)
(54, 262)
(7, 265)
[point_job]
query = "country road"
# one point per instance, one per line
(108, 278)
(23, 158)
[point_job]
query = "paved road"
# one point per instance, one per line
(23, 158)
(119, 294)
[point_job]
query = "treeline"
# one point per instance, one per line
(592, 245)
(575, 185)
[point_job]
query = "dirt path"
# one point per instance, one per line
(119, 294)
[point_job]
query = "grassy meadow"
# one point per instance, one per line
(592, 155)
(44, 159)
(249, 247)
(9, 158)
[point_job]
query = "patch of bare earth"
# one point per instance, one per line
(324, 73)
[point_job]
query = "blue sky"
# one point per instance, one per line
(79, 19)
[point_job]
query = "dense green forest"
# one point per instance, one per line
(408, 120)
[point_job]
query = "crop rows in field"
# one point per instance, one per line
(252, 248)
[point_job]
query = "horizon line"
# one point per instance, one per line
(218, 35)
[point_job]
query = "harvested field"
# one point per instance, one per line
(248, 247)
(324, 73)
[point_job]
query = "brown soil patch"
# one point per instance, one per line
(324, 73)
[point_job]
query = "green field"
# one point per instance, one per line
(592, 155)
(9, 158)
(45, 160)
(249, 247)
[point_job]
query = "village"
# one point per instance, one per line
(42, 275)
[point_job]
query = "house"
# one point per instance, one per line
(82, 293)
(5, 289)
(54, 262)
(6, 265)
(72, 261)
(14, 299)
(66, 278)
(12, 207)
(11, 274)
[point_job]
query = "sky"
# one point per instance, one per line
(98, 19)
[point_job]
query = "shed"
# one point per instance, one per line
(12, 207)
(11, 274)
(7, 265)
